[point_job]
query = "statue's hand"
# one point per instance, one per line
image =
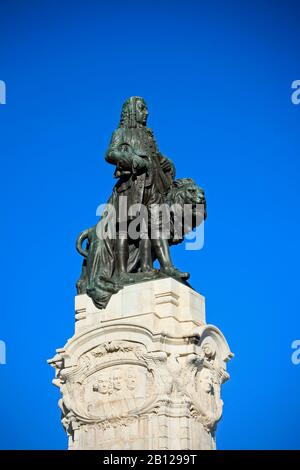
(168, 166)
(140, 164)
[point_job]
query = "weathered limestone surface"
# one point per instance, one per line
(145, 373)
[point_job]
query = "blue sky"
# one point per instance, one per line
(217, 79)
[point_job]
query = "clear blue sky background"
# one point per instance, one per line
(217, 78)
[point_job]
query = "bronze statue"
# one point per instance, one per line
(145, 182)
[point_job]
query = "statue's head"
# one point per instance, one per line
(117, 379)
(103, 384)
(209, 349)
(188, 204)
(131, 379)
(134, 112)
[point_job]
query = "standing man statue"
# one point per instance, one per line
(145, 176)
(146, 181)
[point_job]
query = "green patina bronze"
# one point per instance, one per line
(147, 179)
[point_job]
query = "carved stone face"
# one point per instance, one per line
(141, 112)
(206, 380)
(131, 379)
(117, 379)
(208, 351)
(103, 384)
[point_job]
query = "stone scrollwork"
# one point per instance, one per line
(206, 404)
(208, 371)
(118, 384)
(111, 385)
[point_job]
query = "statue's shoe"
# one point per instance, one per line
(148, 270)
(126, 278)
(174, 272)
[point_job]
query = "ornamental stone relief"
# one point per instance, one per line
(117, 383)
(117, 391)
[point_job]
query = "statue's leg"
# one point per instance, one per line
(162, 251)
(145, 254)
(160, 243)
(122, 253)
(159, 239)
(122, 250)
(145, 245)
(159, 229)
(146, 261)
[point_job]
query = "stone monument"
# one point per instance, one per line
(143, 369)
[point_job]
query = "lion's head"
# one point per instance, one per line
(188, 207)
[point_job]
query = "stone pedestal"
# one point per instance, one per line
(145, 373)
